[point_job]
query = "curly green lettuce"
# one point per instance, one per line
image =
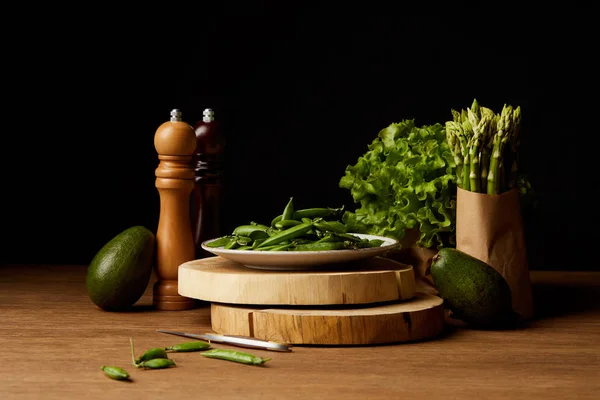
(406, 179)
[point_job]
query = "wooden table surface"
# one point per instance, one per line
(54, 339)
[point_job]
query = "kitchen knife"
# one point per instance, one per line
(240, 341)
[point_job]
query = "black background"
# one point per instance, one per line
(300, 89)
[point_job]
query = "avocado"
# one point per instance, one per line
(473, 290)
(119, 273)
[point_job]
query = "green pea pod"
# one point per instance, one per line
(116, 373)
(244, 240)
(188, 346)
(330, 226)
(375, 243)
(303, 240)
(350, 237)
(280, 247)
(157, 363)
(273, 231)
(276, 220)
(222, 241)
(366, 243)
(259, 234)
(273, 246)
(156, 352)
(322, 246)
(329, 238)
(287, 234)
(318, 213)
(260, 226)
(312, 213)
(257, 242)
(247, 230)
(288, 211)
(235, 356)
(233, 244)
(287, 223)
(244, 247)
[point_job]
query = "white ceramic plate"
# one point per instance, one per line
(301, 260)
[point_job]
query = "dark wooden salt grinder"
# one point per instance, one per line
(175, 143)
(207, 195)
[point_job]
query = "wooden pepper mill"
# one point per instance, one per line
(207, 195)
(175, 143)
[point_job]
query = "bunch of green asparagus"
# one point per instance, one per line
(485, 147)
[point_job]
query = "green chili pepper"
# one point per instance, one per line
(320, 246)
(235, 356)
(287, 234)
(288, 211)
(189, 346)
(116, 373)
(157, 363)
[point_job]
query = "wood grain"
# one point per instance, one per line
(216, 279)
(54, 341)
(419, 318)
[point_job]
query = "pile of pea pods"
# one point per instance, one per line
(310, 229)
(158, 358)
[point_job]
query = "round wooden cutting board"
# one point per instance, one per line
(419, 318)
(374, 280)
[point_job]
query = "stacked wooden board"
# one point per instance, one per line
(373, 301)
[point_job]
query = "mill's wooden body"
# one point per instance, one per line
(175, 142)
(207, 194)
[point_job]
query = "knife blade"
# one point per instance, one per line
(240, 341)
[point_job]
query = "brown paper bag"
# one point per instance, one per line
(490, 228)
(419, 257)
